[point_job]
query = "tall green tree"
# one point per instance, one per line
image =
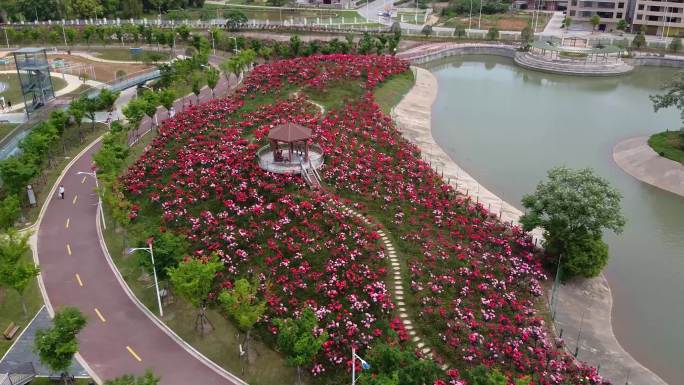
(134, 111)
(9, 211)
(166, 98)
(573, 206)
(621, 25)
(193, 279)
(243, 305)
(234, 19)
(295, 45)
(299, 340)
(595, 21)
(77, 111)
(527, 36)
(56, 346)
(15, 174)
(15, 272)
(639, 40)
(196, 84)
(673, 96)
(213, 76)
(150, 106)
(169, 249)
(567, 22)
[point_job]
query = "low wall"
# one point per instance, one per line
(657, 61)
(499, 50)
(430, 52)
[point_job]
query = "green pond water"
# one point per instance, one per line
(507, 126)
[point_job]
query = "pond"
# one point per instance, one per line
(507, 126)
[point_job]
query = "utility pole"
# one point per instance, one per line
(64, 35)
(6, 38)
(479, 19)
(470, 18)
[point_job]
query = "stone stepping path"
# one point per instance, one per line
(397, 281)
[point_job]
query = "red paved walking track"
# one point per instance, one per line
(104, 344)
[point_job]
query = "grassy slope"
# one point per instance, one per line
(5, 128)
(390, 92)
(670, 143)
(11, 310)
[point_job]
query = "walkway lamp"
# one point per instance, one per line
(154, 271)
(364, 365)
(234, 38)
(99, 198)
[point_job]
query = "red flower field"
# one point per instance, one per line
(475, 283)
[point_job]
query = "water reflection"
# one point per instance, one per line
(507, 126)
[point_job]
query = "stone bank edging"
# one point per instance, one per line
(413, 117)
(635, 157)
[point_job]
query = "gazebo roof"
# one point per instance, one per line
(289, 133)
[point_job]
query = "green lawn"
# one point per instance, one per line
(5, 128)
(670, 144)
(390, 92)
(336, 95)
(13, 93)
(124, 54)
(11, 309)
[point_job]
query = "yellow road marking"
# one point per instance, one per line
(134, 354)
(100, 315)
(75, 199)
(69, 249)
(78, 278)
(67, 223)
(83, 180)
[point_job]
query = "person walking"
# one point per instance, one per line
(61, 191)
(9, 104)
(172, 112)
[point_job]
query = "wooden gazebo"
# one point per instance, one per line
(295, 136)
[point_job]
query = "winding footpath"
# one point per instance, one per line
(122, 336)
(639, 160)
(585, 304)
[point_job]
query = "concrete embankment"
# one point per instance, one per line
(583, 303)
(639, 160)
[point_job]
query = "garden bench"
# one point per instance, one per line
(10, 331)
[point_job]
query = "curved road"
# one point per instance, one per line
(119, 338)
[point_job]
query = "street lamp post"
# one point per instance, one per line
(234, 38)
(154, 272)
(364, 365)
(99, 198)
